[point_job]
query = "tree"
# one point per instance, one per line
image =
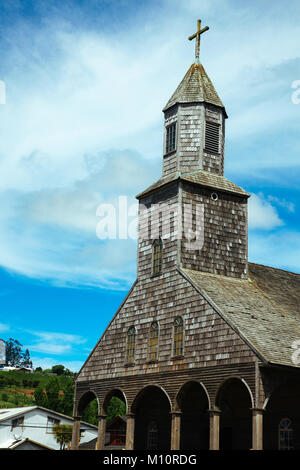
(115, 408)
(59, 369)
(62, 434)
(67, 400)
(40, 397)
(14, 356)
(38, 369)
(90, 413)
(52, 391)
(26, 359)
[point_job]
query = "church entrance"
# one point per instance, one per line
(282, 419)
(152, 419)
(234, 401)
(193, 403)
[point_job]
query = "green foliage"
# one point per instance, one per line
(67, 400)
(40, 397)
(115, 408)
(63, 434)
(52, 392)
(15, 356)
(90, 413)
(58, 370)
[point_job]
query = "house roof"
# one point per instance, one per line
(12, 444)
(195, 87)
(264, 310)
(8, 413)
(200, 177)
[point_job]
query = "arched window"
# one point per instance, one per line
(130, 345)
(178, 337)
(152, 436)
(286, 434)
(153, 341)
(157, 248)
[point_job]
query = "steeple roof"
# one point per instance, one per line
(195, 87)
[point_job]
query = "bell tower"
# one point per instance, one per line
(207, 205)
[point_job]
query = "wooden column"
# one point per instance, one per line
(214, 429)
(257, 428)
(175, 430)
(76, 433)
(101, 432)
(130, 432)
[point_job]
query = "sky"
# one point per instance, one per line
(82, 88)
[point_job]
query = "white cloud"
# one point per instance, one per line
(82, 124)
(289, 206)
(262, 215)
(54, 343)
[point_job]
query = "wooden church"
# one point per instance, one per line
(203, 350)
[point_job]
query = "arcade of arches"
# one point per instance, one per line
(196, 421)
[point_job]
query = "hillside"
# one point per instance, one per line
(17, 388)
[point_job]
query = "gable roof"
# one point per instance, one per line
(195, 87)
(12, 444)
(201, 177)
(264, 310)
(8, 413)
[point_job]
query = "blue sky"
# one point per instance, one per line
(85, 85)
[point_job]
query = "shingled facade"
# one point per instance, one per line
(202, 349)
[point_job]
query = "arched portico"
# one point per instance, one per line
(193, 402)
(234, 401)
(151, 408)
(282, 418)
(84, 400)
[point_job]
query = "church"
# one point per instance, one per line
(204, 349)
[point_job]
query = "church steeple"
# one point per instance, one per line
(193, 201)
(194, 122)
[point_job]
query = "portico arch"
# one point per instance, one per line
(235, 401)
(151, 408)
(193, 402)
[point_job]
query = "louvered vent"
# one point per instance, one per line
(212, 137)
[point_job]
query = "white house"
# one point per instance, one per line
(34, 424)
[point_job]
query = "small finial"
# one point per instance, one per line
(197, 36)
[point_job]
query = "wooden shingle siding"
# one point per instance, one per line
(209, 341)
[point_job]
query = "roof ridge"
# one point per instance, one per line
(273, 267)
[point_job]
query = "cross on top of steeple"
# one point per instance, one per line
(197, 36)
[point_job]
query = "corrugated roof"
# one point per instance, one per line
(204, 178)
(264, 310)
(197, 87)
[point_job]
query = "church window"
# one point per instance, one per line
(130, 345)
(212, 137)
(171, 138)
(152, 436)
(157, 256)
(153, 341)
(286, 434)
(178, 337)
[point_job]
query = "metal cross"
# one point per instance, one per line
(197, 36)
